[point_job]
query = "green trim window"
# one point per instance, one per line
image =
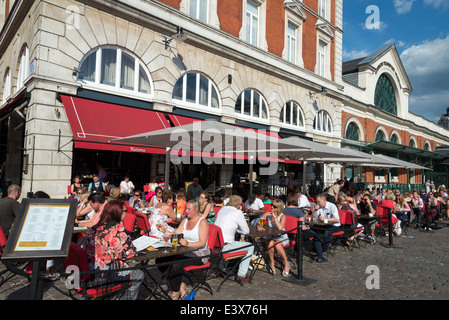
(352, 132)
(411, 143)
(385, 97)
(394, 139)
(380, 136)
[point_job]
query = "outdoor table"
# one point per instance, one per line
(144, 256)
(259, 247)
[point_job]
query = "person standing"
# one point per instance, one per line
(194, 190)
(9, 208)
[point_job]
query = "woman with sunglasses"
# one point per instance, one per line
(156, 198)
(276, 218)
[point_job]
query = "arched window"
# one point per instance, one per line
(23, 68)
(411, 143)
(195, 89)
(384, 97)
(292, 114)
(427, 146)
(394, 138)
(111, 67)
(251, 103)
(322, 122)
(380, 136)
(352, 132)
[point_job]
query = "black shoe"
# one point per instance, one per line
(321, 260)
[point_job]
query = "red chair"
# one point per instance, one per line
(143, 224)
(130, 220)
(230, 259)
(217, 209)
(11, 269)
(202, 272)
(78, 257)
(291, 226)
(267, 207)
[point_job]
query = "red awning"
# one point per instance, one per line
(95, 123)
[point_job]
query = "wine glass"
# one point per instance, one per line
(166, 239)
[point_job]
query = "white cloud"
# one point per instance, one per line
(427, 65)
(403, 6)
(354, 54)
(398, 44)
(439, 4)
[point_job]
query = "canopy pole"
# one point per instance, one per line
(167, 167)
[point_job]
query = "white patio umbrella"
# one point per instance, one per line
(211, 138)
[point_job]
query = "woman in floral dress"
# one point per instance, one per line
(108, 246)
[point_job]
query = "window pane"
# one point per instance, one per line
(193, 8)
(238, 104)
(295, 114)
(254, 31)
(204, 89)
(291, 43)
(214, 102)
(264, 110)
(144, 82)
(288, 114)
(88, 68)
(108, 66)
(191, 87)
(247, 103)
(127, 76)
(256, 105)
(203, 11)
(177, 90)
(248, 27)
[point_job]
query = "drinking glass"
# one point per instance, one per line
(166, 239)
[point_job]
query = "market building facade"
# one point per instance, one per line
(77, 74)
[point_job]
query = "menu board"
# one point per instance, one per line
(42, 230)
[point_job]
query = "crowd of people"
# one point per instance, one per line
(109, 246)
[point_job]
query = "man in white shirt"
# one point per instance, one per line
(231, 220)
(328, 213)
(126, 186)
(254, 204)
(303, 202)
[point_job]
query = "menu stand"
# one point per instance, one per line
(42, 231)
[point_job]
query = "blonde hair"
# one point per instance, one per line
(196, 205)
(115, 192)
(235, 201)
(390, 195)
(280, 205)
(343, 198)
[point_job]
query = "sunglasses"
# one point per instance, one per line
(273, 206)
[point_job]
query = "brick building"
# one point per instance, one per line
(77, 74)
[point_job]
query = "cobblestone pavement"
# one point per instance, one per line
(415, 268)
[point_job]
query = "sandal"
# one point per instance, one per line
(285, 273)
(272, 270)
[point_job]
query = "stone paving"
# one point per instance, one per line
(415, 268)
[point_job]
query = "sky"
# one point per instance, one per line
(420, 31)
